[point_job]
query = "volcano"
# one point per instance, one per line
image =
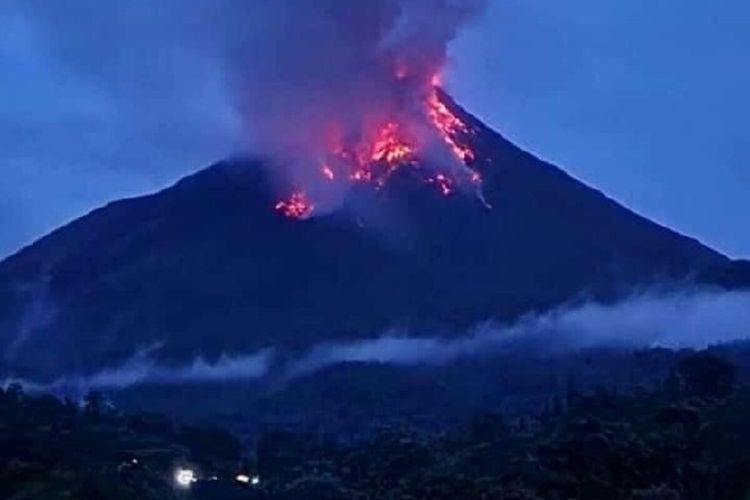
(215, 264)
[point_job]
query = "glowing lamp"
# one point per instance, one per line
(184, 477)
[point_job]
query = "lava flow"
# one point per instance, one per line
(373, 160)
(297, 206)
(389, 147)
(449, 125)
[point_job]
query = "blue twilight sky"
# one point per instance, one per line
(644, 99)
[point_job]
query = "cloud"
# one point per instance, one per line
(688, 319)
(143, 369)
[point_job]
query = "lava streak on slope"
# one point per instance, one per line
(449, 126)
(389, 146)
(374, 159)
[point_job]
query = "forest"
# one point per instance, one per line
(684, 438)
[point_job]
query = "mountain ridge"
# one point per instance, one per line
(207, 266)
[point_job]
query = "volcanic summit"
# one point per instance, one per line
(219, 263)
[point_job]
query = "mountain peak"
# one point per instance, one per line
(209, 266)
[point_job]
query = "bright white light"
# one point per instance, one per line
(245, 479)
(184, 477)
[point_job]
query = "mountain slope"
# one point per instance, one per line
(207, 266)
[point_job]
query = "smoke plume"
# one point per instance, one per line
(127, 96)
(334, 72)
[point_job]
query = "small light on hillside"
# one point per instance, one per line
(184, 477)
(245, 479)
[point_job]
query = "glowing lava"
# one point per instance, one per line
(449, 126)
(297, 206)
(327, 172)
(443, 182)
(373, 160)
(389, 146)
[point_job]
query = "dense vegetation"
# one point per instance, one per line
(53, 449)
(686, 439)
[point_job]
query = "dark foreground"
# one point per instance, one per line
(685, 439)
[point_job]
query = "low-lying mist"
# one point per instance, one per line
(687, 319)
(143, 369)
(695, 319)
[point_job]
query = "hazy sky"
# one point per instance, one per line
(643, 99)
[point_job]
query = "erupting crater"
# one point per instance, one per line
(391, 146)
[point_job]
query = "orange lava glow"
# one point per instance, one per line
(449, 126)
(362, 174)
(444, 183)
(297, 206)
(389, 147)
(374, 161)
